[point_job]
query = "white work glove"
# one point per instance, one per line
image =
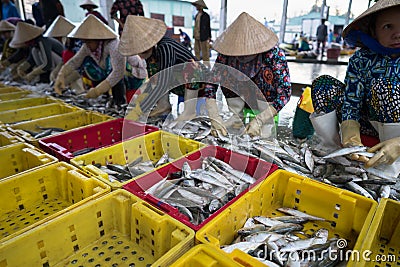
(33, 74)
(65, 76)
(387, 152)
(22, 68)
(217, 126)
(254, 127)
(100, 89)
(350, 130)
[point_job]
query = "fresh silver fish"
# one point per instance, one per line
(299, 214)
(163, 160)
(243, 246)
(297, 167)
(309, 160)
(384, 192)
(251, 230)
(358, 189)
(285, 227)
(269, 222)
(346, 151)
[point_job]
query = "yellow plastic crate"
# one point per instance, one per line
(30, 199)
(14, 95)
(36, 112)
(11, 89)
(117, 229)
(7, 138)
(348, 215)
(382, 238)
(65, 121)
(208, 256)
(150, 146)
(22, 158)
(26, 102)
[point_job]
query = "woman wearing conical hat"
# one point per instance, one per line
(44, 52)
(145, 37)
(99, 59)
(368, 102)
(251, 48)
(90, 6)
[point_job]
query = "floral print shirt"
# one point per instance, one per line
(269, 72)
(372, 85)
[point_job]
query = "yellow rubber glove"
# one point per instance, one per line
(217, 125)
(387, 152)
(100, 89)
(254, 127)
(135, 113)
(22, 68)
(350, 130)
(34, 73)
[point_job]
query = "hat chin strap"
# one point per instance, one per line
(355, 36)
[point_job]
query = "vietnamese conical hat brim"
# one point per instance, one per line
(25, 32)
(362, 21)
(140, 34)
(200, 3)
(88, 3)
(92, 28)
(6, 26)
(245, 36)
(60, 27)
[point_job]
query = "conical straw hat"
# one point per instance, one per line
(140, 34)
(6, 26)
(88, 3)
(25, 32)
(200, 3)
(361, 22)
(60, 27)
(92, 28)
(245, 36)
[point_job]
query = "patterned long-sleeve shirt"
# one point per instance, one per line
(268, 70)
(110, 49)
(368, 70)
(167, 53)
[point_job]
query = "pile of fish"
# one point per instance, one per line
(198, 193)
(102, 104)
(123, 173)
(305, 157)
(332, 168)
(279, 241)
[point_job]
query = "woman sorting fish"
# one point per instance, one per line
(368, 103)
(44, 52)
(98, 58)
(145, 37)
(251, 48)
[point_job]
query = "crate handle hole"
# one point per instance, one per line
(100, 223)
(46, 264)
(21, 207)
(337, 206)
(76, 247)
(98, 214)
(102, 233)
(297, 200)
(298, 192)
(45, 196)
(335, 215)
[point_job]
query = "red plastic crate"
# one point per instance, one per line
(95, 136)
(255, 167)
